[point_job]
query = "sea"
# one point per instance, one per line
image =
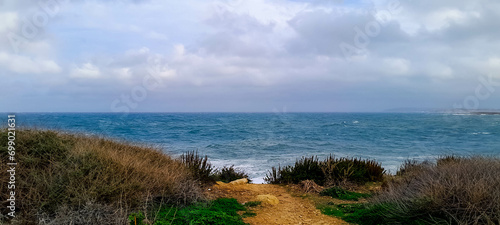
(255, 142)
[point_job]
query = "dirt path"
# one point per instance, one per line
(289, 210)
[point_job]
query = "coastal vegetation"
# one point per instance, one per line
(340, 193)
(218, 212)
(66, 178)
(76, 179)
(331, 171)
(203, 171)
(450, 190)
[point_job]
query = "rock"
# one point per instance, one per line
(239, 181)
(267, 199)
(220, 183)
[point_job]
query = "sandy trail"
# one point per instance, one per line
(290, 210)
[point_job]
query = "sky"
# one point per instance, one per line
(248, 55)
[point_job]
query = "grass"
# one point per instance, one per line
(218, 212)
(453, 190)
(63, 178)
(331, 171)
(253, 203)
(339, 193)
(363, 214)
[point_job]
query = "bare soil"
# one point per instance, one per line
(292, 209)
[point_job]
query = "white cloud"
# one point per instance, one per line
(24, 65)
(441, 19)
(122, 73)
(87, 70)
(9, 21)
(397, 66)
(157, 36)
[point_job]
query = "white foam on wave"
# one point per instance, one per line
(477, 133)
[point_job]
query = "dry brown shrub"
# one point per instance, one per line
(62, 177)
(460, 191)
(309, 186)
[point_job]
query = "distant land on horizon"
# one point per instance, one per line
(431, 110)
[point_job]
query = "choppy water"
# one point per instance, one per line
(257, 141)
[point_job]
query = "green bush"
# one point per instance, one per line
(339, 193)
(304, 169)
(228, 174)
(356, 170)
(330, 171)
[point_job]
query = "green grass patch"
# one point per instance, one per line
(339, 193)
(363, 214)
(253, 204)
(248, 214)
(218, 212)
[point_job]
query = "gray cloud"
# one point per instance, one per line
(241, 56)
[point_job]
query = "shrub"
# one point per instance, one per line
(453, 191)
(80, 175)
(356, 170)
(448, 159)
(304, 169)
(409, 166)
(228, 174)
(199, 166)
(330, 171)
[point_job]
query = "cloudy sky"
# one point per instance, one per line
(248, 55)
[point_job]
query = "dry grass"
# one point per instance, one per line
(308, 186)
(63, 177)
(453, 191)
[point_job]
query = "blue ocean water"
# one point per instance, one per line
(255, 142)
